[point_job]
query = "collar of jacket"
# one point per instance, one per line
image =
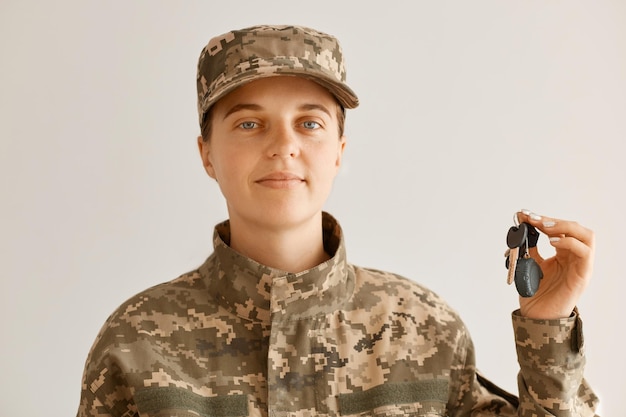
(259, 293)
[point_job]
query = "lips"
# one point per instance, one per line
(280, 180)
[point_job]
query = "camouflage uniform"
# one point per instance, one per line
(236, 338)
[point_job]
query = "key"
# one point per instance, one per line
(522, 269)
(532, 235)
(517, 236)
(512, 257)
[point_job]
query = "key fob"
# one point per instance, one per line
(527, 276)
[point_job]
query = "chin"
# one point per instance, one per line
(290, 215)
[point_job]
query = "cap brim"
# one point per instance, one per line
(344, 94)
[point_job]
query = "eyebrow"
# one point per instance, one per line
(246, 106)
(240, 107)
(315, 107)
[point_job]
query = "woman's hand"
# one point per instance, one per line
(566, 274)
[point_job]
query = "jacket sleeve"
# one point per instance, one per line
(551, 358)
(105, 392)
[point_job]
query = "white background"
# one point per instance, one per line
(470, 111)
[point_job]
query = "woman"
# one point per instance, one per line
(277, 322)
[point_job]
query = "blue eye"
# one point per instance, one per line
(248, 125)
(311, 124)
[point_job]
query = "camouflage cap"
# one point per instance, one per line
(240, 56)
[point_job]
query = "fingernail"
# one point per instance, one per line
(524, 211)
(549, 223)
(535, 216)
(555, 239)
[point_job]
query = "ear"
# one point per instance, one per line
(204, 147)
(340, 150)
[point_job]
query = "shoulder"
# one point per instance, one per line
(395, 285)
(152, 309)
(165, 296)
(394, 291)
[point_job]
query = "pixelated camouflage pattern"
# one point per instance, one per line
(236, 338)
(550, 352)
(237, 57)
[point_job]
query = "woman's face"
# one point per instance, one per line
(274, 150)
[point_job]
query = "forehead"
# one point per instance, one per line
(279, 90)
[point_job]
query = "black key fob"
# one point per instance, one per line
(527, 276)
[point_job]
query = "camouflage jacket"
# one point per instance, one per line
(236, 338)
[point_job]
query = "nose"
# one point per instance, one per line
(283, 143)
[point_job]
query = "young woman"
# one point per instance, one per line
(277, 322)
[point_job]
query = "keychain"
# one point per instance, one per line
(522, 269)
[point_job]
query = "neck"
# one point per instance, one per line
(290, 249)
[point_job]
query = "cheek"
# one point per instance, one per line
(329, 163)
(222, 171)
(232, 165)
(219, 160)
